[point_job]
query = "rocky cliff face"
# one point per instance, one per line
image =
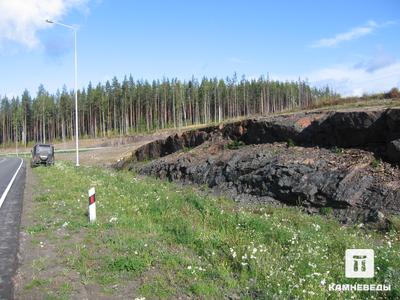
(315, 161)
(375, 130)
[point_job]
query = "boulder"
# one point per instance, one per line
(347, 129)
(393, 151)
(393, 124)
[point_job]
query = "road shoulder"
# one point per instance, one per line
(41, 273)
(24, 257)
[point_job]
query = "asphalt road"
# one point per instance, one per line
(11, 196)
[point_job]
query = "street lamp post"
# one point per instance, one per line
(76, 87)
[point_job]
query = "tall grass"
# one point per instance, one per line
(172, 242)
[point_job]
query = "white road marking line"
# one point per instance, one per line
(10, 184)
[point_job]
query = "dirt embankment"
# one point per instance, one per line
(320, 161)
(105, 151)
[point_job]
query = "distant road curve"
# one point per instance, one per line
(70, 150)
(12, 183)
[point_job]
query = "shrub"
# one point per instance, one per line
(376, 163)
(393, 93)
(234, 145)
(290, 143)
(337, 150)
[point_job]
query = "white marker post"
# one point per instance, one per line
(92, 205)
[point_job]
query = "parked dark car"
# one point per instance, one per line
(42, 154)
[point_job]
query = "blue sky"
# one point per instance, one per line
(353, 46)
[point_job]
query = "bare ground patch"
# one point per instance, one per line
(43, 272)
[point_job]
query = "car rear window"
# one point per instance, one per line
(43, 149)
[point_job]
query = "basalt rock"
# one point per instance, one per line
(163, 147)
(313, 180)
(393, 151)
(311, 175)
(355, 129)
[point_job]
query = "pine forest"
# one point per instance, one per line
(128, 107)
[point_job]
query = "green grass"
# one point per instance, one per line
(37, 283)
(375, 163)
(290, 143)
(234, 145)
(337, 150)
(326, 211)
(171, 242)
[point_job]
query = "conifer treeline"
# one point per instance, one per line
(136, 106)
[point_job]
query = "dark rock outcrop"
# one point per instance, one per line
(360, 129)
(357, 186)
(161, 148)
(393, 124)
(312, 179)
(347, 129)
(393, 150)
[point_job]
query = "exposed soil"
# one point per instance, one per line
(319, 161)
(41, 272)
(104, 152)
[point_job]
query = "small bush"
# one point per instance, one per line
(290, 143)
(234, 145)
(186, 149)
(337, 150)
(376, 163)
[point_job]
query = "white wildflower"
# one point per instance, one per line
(113, 219)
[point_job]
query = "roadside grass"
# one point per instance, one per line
(37, 283)
(165, 241)
(234, 145)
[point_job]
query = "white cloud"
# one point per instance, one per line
(354, 81)
(380, 60)
(21, 19)
(352, 34)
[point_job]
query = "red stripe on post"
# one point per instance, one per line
(92, 199)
